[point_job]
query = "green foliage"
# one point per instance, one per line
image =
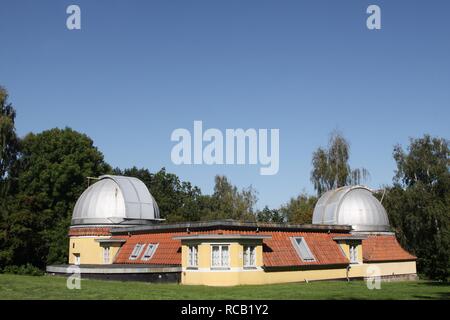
(330, 166)
(299, 210)
(419, 203)
(427, 162)
(227, 202)
(180, 201)
(270, 215)
(8, 138)
(19, 243)
(27, 269)
(177, 200)
(52, 173)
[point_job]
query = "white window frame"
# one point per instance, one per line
(137, 250)
(248, 251)
(353, 252)
(150, 251)
(296, 245)
(193, 256)
(106, 255)
(222, 265)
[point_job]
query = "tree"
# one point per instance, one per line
(419, 203)
(180, 201)
(52, 175)
(270, 215)
(427, 162)
(331, 169)
(8, 140)
(9, 148)
(227, 202)
(177, 200)
(299, 210)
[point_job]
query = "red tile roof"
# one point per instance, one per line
(90, 231)
(384, 248)
(278, 251)
(167, 253)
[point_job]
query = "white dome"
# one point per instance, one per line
(115, 200)
(351, 205)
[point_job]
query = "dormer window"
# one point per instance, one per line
(106, 251)
(353, 253)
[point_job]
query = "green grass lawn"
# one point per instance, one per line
(51, 287)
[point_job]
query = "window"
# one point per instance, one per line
(249, 256)
(193, 257)
(106, 255)
(220, 257)
(353, 253)
(302, 249)
(137, 251)
(77, 259)
(150, 251)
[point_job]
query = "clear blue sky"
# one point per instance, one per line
(140, 69)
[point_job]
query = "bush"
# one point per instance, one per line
(27, 269)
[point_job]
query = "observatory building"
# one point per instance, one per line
(354, 206)
(115, 200)
(117, 233)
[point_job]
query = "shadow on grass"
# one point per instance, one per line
(435, 284)
(443, 295)
(435, 296)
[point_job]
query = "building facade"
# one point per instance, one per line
(116, 233)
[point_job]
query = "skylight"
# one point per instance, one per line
(302, 249)
(150, 251)
(137, 251)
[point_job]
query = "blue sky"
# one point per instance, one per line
(140, 69)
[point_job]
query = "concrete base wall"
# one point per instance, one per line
(145, 277)
(399, 277)
(120, 273)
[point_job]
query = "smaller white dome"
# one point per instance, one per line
(115, 200)
(351, 205)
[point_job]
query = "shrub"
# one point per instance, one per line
(27, 269)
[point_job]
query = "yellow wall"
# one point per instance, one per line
(90, 250)
(245, 277)
(236, 252)
(234, 275)
(393, 268)
(237, 275)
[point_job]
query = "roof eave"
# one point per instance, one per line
(222, 237)
(256, 226)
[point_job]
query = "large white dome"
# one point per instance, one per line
(351, 205)
(115, 200)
